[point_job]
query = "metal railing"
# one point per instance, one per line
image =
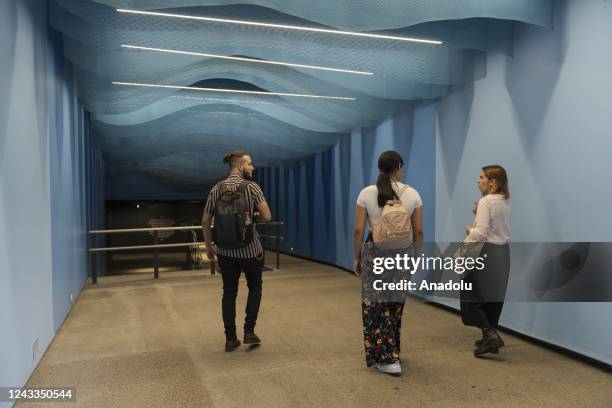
(156, 245)
(278, 238)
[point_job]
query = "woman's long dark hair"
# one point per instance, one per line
(388, 163)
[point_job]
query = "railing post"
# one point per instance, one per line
(92, 257)
(189, 258)
(155, 256)
(278, 227)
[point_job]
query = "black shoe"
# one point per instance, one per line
(232, 344)
(251, 338)
(494, 350)
(477, 342)
(490, 343)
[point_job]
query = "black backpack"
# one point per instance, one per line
(233, 225)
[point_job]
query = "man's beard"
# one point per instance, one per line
(246, 176)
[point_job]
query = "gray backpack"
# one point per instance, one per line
(234, 228)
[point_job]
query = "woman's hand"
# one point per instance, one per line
(357, 267)
(467, 230)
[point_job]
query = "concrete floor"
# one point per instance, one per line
(135, 342)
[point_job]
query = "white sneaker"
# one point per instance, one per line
(394, 369)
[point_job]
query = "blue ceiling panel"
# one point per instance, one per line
(176, 137)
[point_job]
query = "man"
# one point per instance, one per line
(248, 258)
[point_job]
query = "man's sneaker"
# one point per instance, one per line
(394, 369)
(232, 344)
(251, 338)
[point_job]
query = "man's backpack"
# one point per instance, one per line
(395, 224)
(233, 228)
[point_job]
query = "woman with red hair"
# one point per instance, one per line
(482, 306)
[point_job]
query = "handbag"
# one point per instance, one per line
(468, 249)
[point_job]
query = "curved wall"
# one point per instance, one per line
(45, 202)
(316, 196)
(545, 115)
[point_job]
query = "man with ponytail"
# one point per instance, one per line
(382, 320)
(233, 203)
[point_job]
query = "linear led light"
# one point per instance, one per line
(282, 26)
(201, 54)
(193, 88)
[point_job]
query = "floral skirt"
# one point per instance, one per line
(382, 323)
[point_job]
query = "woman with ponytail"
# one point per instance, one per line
(382, 320)
(482, 306)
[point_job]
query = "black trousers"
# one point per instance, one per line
(231, 268)
(482, 306)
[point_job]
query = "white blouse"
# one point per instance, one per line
(492, 223)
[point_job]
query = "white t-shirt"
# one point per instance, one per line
(368, 199)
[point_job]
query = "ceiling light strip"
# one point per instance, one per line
(282, 26)
(193, 88)
(201, 54)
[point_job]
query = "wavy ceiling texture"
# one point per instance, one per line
(176, 136)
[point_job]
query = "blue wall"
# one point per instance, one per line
(316, 196)
(545, 115)
(44, 156)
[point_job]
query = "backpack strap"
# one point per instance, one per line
(241, 189)
(398, 195)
